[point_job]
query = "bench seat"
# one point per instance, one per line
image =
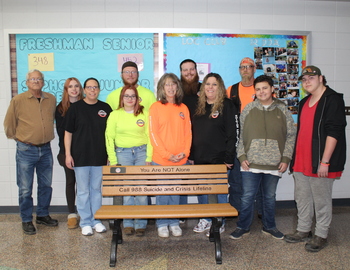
(165, 211)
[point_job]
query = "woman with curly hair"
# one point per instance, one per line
(215, 130)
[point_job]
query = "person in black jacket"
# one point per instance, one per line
(214, 133)
(319, 157)
(190, 85)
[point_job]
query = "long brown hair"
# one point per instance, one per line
(138, 108)
(219, 101)
(65, 103)
(161, 92)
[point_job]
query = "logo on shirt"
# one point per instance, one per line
(102, 113)
(215, 114)
(140, 122)
(182, 116)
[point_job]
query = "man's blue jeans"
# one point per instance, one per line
(235, 185)
(235, 188)
(28, 159)
(251, 183)
(134, 156)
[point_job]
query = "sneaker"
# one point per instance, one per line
(221, 230)
(28, 228)
(238, 233)
(297, 237)
(140, 232)
(163, 231)
(316, 244)
(129, 230)
(47, 220)
(182, 220)
(274, 233)
(176, 230)
(87, 231)
(202, 226)
(72, 222)
(100, 228)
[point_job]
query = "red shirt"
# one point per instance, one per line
(303, 154)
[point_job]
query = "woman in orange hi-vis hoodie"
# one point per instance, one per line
(171, 136)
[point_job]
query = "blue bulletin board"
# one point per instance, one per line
(280, 56)
(83, 55)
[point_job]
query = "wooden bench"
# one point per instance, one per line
(165, 180)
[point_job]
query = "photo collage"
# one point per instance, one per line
(282, 65)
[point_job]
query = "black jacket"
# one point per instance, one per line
(329, 121)
(214, 138)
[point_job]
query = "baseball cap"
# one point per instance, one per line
(310, 70)
(247, 60)
(129, 64)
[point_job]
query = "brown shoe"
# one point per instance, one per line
(140, 232)
(297, 237)
(316, 244)
(129, 230)
(72, 222)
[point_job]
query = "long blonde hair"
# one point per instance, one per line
(219, 100)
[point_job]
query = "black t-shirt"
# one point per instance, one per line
(60, 124)
(191, 101)
(214, 138)
(87, 123)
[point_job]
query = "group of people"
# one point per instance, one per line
(188, 122)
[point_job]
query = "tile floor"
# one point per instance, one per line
(61, 248)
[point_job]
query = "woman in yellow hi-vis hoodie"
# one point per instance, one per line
(127, 143)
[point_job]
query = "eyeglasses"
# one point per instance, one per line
(129, 97)
(246, 67)
(35, 79)
(130, 72)
(92, 87)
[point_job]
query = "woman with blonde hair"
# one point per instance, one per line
(215, 130)
(72, 92)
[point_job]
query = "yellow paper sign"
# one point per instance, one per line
(41, 61)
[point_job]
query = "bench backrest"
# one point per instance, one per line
(164, 180)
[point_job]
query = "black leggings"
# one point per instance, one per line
(70, 183)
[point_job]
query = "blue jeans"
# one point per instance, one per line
(251, 183)
(235, 182)
(204, 199)
(28, 159)
(89, 195)
(134, 156)
(167, 200)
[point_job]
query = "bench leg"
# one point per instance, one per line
(214, 236)
(117, 238)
